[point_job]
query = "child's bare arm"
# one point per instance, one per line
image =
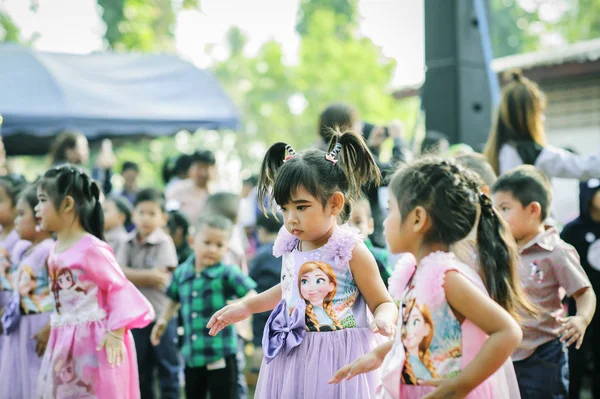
(573, 328)
(240, 310)
(369, 283)
(504, 334)
(155, 278)
(161, 324)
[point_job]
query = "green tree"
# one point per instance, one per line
(345, 11)
(351, 70)
(9, 32)
(581, 21)
(511, 28)
(142, 25)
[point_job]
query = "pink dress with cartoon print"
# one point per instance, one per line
(430, 342)
(91, 296)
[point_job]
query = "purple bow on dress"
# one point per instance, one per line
(283, 332)
(12, 314)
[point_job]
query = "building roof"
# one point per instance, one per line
(580, 52)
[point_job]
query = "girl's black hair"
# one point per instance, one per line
(123, 206)
(68, 180)
(175, 166)
(29, 195)
(178, 220)
(451, 196)
(64, 142)
(354, 167)
(13, 185)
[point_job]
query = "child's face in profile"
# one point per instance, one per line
(210, 246)
(112, 217)
(362, 220)
(521, 219)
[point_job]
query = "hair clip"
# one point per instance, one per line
(290, 151)
(332, 156)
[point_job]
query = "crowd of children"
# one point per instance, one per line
(146, 294)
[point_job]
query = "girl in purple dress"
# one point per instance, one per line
(26, 321)
(329, 279)
(10, 188)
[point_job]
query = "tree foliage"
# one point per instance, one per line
(9, 32)
(141, 25)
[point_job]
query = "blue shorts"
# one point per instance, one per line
(545, 374)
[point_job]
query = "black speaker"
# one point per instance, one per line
(460, 88)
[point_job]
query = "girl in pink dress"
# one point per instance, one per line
(453, 340)
(90, 352)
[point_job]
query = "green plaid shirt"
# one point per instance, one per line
(201, 294)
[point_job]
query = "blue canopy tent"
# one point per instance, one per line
(103, 95)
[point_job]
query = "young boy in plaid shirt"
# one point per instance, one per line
(202, 285)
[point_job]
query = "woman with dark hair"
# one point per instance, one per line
(72, 147)
(518, 136)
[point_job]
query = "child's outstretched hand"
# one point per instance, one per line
(230, 314)
(383, 327)
(157, 331)
(446, 389)
(115, 347)
(364, 364)
(572, 330)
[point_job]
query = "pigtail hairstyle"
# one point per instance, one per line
(68, 180)
(346, 167)
(273, 160)
(499, 259)
(450, 195)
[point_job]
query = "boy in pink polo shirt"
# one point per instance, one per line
(523, 197)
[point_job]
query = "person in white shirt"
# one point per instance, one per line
(517, 136)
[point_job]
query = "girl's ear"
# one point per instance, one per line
(337, 203)
(420, 220)
(68, 204)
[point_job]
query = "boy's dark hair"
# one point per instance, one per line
(526, 184)
(336, 116)
(431, 142)
(123, 206)
(13, 185)
(177, 220)
(68, 180)
(450, 195)
(271, 223)
(354, 167)
(150, 195)
(214, 221)
(225, 204)
(29, 195)
(203, 156)
(479, 164)
(128, 165)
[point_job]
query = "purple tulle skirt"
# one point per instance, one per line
(305, 372)
(19, 364)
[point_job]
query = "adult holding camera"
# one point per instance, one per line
(345, 116)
